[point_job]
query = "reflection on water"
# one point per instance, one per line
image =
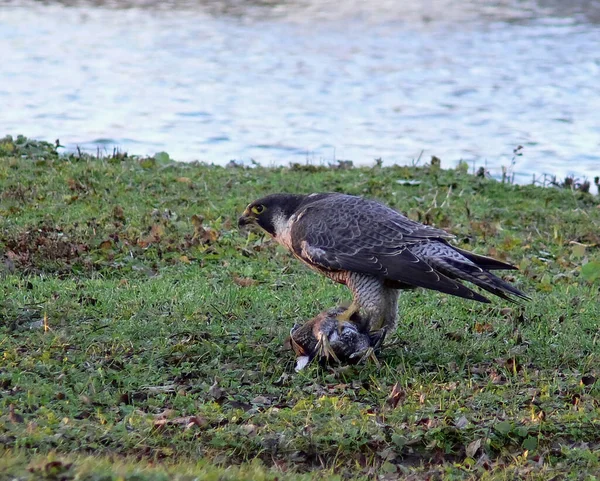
(308, 79)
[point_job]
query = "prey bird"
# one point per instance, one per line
(375, 251)
(327, 338)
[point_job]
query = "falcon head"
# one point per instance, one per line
(272, 213)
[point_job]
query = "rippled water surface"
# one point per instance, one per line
(317, 80)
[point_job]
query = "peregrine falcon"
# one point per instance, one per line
(374, 250)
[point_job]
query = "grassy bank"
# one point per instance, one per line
(142, 336)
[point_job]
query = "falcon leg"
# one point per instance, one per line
(385, 317)
(348, 313)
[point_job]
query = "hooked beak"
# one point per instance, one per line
(246, 219)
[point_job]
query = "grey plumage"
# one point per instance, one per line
(374, 250)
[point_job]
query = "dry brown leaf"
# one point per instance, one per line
(473, 447)
(483, 327)
(455, 336)
(118, 213)
(185, 422)
(588, 380)
(210, 235)
(261, 400)
(76, 185)
(156, 232)
(184, 180)
(205, 234)
(216, 392)
(396, 397)
(185, 259)
(244, 281)
(105, 245)
(14, 417)
(167, 413)
(461, 423)
(249, 430)
(197, 221)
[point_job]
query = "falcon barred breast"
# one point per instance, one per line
(374, 250)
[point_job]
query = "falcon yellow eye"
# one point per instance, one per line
(258, 209)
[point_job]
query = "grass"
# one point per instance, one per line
(142, 336)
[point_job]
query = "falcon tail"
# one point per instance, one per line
(457, 264)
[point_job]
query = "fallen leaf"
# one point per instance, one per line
(454, 336)
(461, 423)
(167, 413)
(396, 397)
(184, 180)
(105, 245)
(118, 213)
(249, 430)
(160, 389)
(261, 400)
(473, 447)
(389, 454)
(197, 220)
(216, 392)
(205, 234)
(14, 417)
(196, 421)
(156, 232)
(244, 281)
(53, 470)
(283, 379)
(588, 380)
(480, 328)
(185, 422)
(75, 185)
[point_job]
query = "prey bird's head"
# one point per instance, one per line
(272, 213)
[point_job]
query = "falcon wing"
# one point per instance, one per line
(342, 232)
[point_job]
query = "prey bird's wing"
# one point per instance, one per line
(347, 233)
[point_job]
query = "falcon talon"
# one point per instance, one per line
(377, 339)
(324, 350)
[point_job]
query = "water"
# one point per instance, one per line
(310, 80)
